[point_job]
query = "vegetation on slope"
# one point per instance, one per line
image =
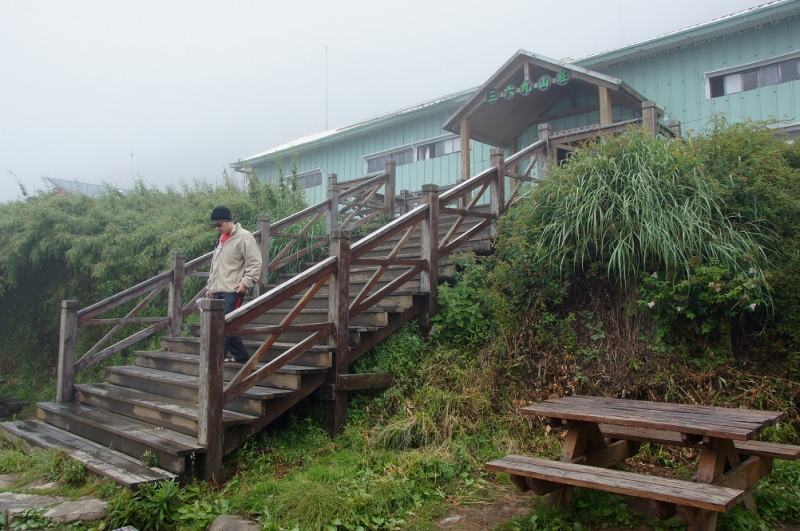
(620, 301)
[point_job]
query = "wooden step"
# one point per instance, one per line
(189, 364)
(354, 332)
(184, 387)
(374, 317)
(176, 415)
(130, 436)
(668, 490)
(116, 466)
(398, 299)
(318, 356)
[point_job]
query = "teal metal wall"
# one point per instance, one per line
(676, 80)
(345, 156)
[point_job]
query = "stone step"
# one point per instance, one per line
(100, 460)
(130, 436)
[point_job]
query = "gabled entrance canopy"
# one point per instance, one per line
(523, 90)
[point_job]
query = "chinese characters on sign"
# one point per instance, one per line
(544, 83)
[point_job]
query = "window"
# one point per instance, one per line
(753, 78)
(378, 163)
(310, 179)
(439, 149)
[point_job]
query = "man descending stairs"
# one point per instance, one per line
(178, 410)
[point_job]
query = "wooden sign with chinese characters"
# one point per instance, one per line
(542, 84)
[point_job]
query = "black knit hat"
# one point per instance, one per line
(221, 213)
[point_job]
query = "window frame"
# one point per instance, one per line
(414, 147)
(743, 69)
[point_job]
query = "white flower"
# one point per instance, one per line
(655, 274)
(679, 308)
(651, 304)
(753, 306)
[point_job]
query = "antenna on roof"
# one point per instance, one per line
(326, 88)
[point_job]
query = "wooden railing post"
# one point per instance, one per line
(544, 133)
(66, 351)
(389, 189)
(263, 227)
(429, 279)
(650, 117)
(209, 406)
(339, 315)
(497, 187)
(175, 308)
(675, 127)
(333, 205)
(405, 195)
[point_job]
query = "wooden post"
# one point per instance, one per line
(429, 279)
(339, 315)
(606, 116)
(263, 227)
(650, 117)
(546, 132)
(66, 351)
(405, 195)
(466, 170)
(497, 187)
(512, 183)
(675, 127)
(390, 188)
(333, 204)
(175, 308)
(209, 407)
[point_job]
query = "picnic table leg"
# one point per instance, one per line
(582, 438)
(716, 456)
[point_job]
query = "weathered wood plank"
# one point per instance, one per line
(760, 448)
(358, 382)
(709, 497)
(98, 459)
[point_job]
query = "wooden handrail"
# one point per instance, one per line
(467, 186)
(525, 153)
(344, 191)
(122, 297)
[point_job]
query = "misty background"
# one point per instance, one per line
(108, 92)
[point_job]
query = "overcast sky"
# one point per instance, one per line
(105, 91)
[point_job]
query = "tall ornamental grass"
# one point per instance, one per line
(632, 204)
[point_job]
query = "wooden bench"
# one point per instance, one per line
(788, 452)
(548, 475)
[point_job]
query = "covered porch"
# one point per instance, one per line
(532, 98)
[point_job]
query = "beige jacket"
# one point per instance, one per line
(237, 260)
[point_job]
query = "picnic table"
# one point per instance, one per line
(602, 432)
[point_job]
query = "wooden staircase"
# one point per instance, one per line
(178, 410)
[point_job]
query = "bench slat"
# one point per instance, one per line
(788, 452)
(700, 495)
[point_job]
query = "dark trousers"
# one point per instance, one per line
(234, 345)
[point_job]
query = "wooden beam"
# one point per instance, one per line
(605, 105)
(358, 382)
(465, 163)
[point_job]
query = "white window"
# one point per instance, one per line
(310, 179)
(378, 163)
(753, 76)
(439, 149)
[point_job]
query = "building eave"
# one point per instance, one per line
(740, 21)
(337, 135)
